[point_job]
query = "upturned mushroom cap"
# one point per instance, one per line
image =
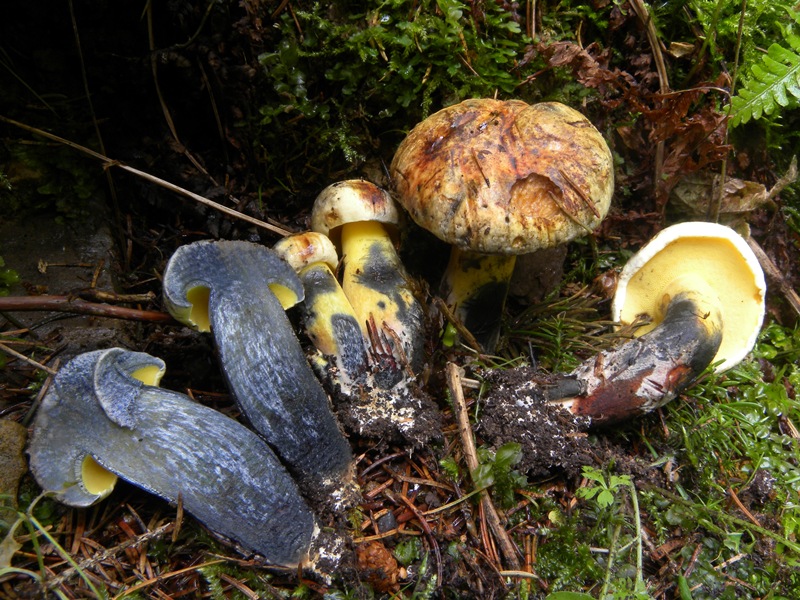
(352, 201)
(504, 177)
(706, 255)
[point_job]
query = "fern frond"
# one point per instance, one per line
(770, 83)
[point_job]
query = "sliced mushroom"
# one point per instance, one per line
(699, 291)
(102, 417)
(238, 291)
(496, 179)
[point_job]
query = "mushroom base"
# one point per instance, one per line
(647, 372)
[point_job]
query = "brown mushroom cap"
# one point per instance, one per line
(505, 177)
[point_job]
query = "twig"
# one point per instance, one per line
(721, 515)
(99, 557)
(774, 275)
(108, 162)
(742, 507)
(471, 456)
(663, 80)
(166, 576)
(25, 359)
(69, 304)
(428, 532)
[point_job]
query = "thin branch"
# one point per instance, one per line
(70, 304)
(108, 162)
(471, 456)
(23, 358)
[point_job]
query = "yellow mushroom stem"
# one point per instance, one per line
(95, 477)
(376, 285)
(475, 288)
(332, 324)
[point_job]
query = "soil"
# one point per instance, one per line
(516, 410)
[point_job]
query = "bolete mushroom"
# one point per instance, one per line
(359, 216)
(496, 179)
(330, 321)
(385, 401)
(233, 288)
(103, 417)
(698, 291)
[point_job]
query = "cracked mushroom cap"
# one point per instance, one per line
(709, 257)
(505, 177)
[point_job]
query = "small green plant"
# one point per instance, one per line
(496, 469)
(9, 546)
(8, 277)
(772, 83)
(603, 489)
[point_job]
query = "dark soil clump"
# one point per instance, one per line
(516, 410)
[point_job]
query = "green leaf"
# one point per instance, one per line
(771, 85)
(569, 596)
(508, 455)
(605, 498)
(483, 476)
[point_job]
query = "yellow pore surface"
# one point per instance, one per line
(199, 296)
(724, 272)
(96, 479)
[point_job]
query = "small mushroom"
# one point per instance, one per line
(103, 417)
(359, 216)
(385, 402)
(238, 291)
(330, 320)
(698, 290)
(496, 179)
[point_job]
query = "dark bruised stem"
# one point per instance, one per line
(331, 324)
(647, 372)
(475, 287)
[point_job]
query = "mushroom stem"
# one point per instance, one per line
(261, 357)
(475, 287)
(99, 420)
(385, 403)
(647, 372)
(330, 320)
(375, 282)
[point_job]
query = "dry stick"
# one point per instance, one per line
(22, 357)
(108, 162)
(68, 574)
(471, 456)
(774, 274)
(70, 304)
(663, 80)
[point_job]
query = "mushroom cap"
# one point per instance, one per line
(725, 265)
(352, 201)
(506, 177)
(304, 249)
